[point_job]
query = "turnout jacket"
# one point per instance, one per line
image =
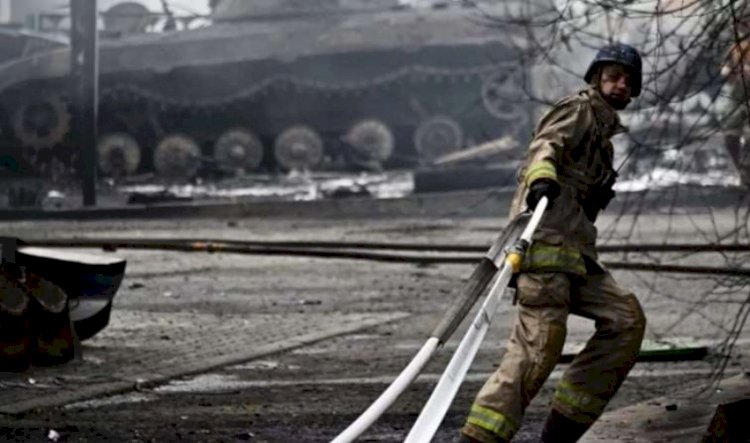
(571, 145)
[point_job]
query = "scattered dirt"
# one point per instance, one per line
(312, 393)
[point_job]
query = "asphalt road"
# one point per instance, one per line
(310, 391)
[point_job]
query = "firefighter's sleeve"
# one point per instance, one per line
(563, 127)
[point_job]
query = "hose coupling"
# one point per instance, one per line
(515, 253)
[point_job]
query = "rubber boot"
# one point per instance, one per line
(560, 429)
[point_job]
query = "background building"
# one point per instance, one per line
(52, 15)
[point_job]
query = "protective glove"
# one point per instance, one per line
(543, 187)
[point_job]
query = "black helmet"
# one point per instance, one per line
(621, 54)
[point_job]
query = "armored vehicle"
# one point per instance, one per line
(281, 85)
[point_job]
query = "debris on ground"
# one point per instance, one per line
(53, 435)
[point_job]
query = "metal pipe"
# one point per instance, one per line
(85, 85)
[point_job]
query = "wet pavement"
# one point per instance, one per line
(333, 333)
(140, 349)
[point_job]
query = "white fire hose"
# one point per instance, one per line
(434, 410)
(445, 391)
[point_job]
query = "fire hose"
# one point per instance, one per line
(477, 284)
(510, 260)
(381, 251)
(442, 396)
(215, 245)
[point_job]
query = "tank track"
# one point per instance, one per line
(284, 81)
(122, 94)
(414, 74)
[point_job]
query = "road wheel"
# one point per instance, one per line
(298, 148)
(238, 151)
(501, 97)
(119, 154)
(177, 157)
(436, 137)
(42, 121)
(370, 140)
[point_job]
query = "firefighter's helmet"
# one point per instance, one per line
(621, 54)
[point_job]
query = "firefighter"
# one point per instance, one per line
(734, 104)
(569, 162)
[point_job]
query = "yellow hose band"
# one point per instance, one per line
(514, 260)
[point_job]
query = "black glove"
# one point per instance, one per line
(543, 187)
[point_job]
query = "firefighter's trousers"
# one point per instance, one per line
(536, 343)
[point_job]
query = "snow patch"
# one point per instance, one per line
(664, 177)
